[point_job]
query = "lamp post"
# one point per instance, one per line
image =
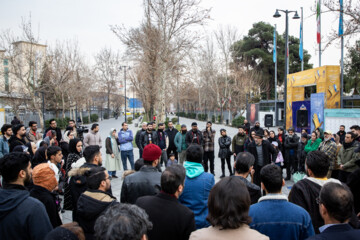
(296, 16)
(125, 67)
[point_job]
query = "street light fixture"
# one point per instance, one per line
(128, 68)
(296, 16)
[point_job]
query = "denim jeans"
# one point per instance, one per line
(127, 155)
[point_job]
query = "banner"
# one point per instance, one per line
(301, 105)
(317, 110)
(341, 24)
(252, 113)
(274, 43)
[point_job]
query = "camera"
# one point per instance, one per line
(81, 130)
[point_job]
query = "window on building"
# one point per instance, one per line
(6, 76)
(309, 90)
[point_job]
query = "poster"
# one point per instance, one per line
(252, 113)
(300, 105)
(317, 110)
(336, 117)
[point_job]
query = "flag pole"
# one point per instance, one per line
(341, 33)
(320, 33)
(276, 110)
(302, 40)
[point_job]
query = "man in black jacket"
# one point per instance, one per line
(263, 152)
(78, 183)
(291, 146)
(342, 133)
(194, 136)
(94, 200)
(147, 137)
(170, 219)
(53, 126)
(244, 165)
(138, 138)
(336, 208)
(171, 133)
(21, 216)
(146, 181)
(18, 137)
(257, 128)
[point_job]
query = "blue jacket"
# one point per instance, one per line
(125, 139)
(21, 216)
(336, 232)
(196, 193)
(4, 146)
(279, 219)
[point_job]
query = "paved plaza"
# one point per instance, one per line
(116, 184)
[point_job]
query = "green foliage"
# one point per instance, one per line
(94, 117)
(256, 49)
(174, 120)
(61, 122)
(202, 117)
(86, 120)
(178, 127)
(106, 115)
(129, 120)
(352, 69)
(213, 118)
(219, 119)
(137, 115)
(238, 121)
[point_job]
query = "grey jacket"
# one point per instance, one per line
(92, 138)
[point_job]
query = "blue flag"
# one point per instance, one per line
(301, 43)
(341, 25)
(274, 50)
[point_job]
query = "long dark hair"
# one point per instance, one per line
(72, 145)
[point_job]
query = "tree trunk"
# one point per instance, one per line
(63, 105)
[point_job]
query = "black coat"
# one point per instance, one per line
(171, 135)
(353, 183)
(269, 152)
(49, 200)
(170, 219)
(138, 137)
(291, 143)
(145, 182)
(257, 129)
(144, 139)
(336, 232)
(190, 138)
(224, 144)
(90, 206)
(342, 137)
(14, 141)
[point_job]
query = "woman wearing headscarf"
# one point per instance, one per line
(50, 138)
(39, 157)
(112, 163)
(75, 153)
(31, 149)
(64, 143)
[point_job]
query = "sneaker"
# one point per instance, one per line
(222, 176)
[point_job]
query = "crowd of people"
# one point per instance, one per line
(170, 192)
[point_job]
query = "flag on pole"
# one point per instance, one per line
(318, 35)
(274, 43)
(301, 42)
(341, 24)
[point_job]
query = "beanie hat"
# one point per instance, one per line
(151, 152)
(182, 126)
(304, 135)
(44, 176)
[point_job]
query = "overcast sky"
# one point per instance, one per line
(88, 21)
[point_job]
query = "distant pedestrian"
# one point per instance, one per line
(257, 128)
(194, 136)
(180, 144)
(225, 152)
(342, 133)
(113, 158)
(246, 126)
(291, 146)
(125, 136)
(209, 147)
(93, 137)
(163, 143)
(171, 132)
(138, 137)
(15, 121)
(238, 141)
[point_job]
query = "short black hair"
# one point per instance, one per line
(11, 164)
(356, 127)
(94, 177)
(271, 177)
(338, 201)
(172, 178)
(315, 133)
(194, 153)
(150, 123)
(209, 122)
(94, 126)
(243, 162)
(5, 127)
(160, 124)
(16, 128)
(32, 123)
(318, 162)
(71, 120)
(122, 221)
(90, 152)
(52, 151)
(123, 123)
(171, 155)
(241, 126)
(342, 126)
(138, 164)
(229, 203)
(51, 120)
(353, 135)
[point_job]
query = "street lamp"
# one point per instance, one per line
(296, 16)
(125, 67)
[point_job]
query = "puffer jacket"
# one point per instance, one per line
(224, 144)
(144, 139)
(145, 182)
(92, 138)
(347, 157)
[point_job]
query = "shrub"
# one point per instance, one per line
(174, 120)
(86, 120)
(94, 117)
(213, 118)
(106, 115)
(238, 121)
(129, 120)
(219, 119)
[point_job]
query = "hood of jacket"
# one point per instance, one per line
(10, 199)
(92, 203)
(193, 169)
(80, 171)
